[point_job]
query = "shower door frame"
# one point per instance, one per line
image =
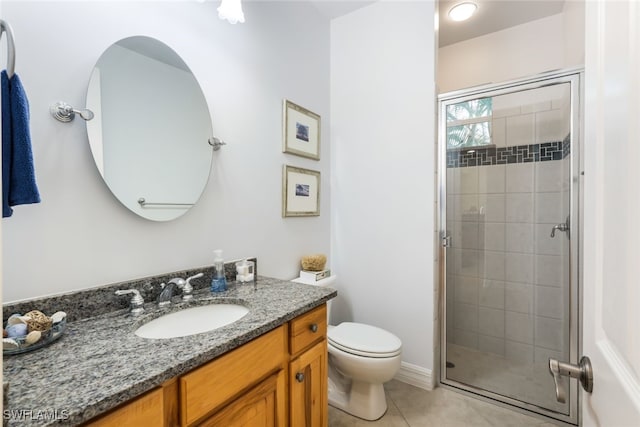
(575, 77)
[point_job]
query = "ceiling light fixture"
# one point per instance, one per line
(231, 10)
(462, 11)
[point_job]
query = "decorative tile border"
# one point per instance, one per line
(544, 152)
(566, 146)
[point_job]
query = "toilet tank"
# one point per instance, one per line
(329, 281)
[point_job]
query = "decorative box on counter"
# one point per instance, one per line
(314, 276)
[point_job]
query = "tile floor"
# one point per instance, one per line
(409, 406)
(527, 381)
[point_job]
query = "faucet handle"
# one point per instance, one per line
(195, 276)
(136, 303)
(187, 288)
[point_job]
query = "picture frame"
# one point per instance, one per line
(300, 130)
(300, 192)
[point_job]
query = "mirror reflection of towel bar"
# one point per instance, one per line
(144, 203)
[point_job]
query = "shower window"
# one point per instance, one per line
(469, 123)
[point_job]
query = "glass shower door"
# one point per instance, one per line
(509, 263)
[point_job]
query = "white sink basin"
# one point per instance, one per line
(192, 321)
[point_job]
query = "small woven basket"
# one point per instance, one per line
(313, 262)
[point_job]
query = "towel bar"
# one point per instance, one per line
(11, 47)
(144, 203)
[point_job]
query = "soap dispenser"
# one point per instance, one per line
(218, 281)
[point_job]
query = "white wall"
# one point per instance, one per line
(80, 236)
(382, 117)
(573, 14)
(515, 52)
(549, 43)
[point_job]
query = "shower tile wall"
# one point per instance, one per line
(506, 280)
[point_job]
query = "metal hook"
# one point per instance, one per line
(65, 113)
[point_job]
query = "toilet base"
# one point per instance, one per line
(361, 399)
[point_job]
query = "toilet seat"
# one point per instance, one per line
(364, 340)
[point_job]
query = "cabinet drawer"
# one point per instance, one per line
(211, 385)
(146, 410)
(308, 328)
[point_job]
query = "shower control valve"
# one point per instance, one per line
(565, 226)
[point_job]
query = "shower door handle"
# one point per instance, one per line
(582, 371)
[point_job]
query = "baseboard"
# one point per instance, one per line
(415, 375)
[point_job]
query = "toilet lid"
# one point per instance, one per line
(364, 340)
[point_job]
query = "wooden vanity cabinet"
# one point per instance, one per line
(145, 410)
(249, 378)
(261, 406)
(308, 369)
(276, 380)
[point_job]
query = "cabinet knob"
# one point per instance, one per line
(300, 377)
(314, 327)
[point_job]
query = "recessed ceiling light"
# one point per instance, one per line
(462, 11)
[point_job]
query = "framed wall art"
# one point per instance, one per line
(300, 192)
(301, 131)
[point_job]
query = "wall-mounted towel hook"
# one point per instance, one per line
(216, 143)
(65, 112)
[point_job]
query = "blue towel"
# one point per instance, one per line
(18, 174)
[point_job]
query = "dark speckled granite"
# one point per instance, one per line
(100, 363)
(101, 300)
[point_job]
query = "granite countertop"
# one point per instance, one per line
(100, 363)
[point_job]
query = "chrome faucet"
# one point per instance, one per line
(166, 294)
(168, 290)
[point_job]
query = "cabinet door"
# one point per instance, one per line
(308, 388)
(261, 406)
(146, 410)
(206, 389)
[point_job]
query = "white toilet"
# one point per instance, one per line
(361, 359)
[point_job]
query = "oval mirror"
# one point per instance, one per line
(150, 134)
